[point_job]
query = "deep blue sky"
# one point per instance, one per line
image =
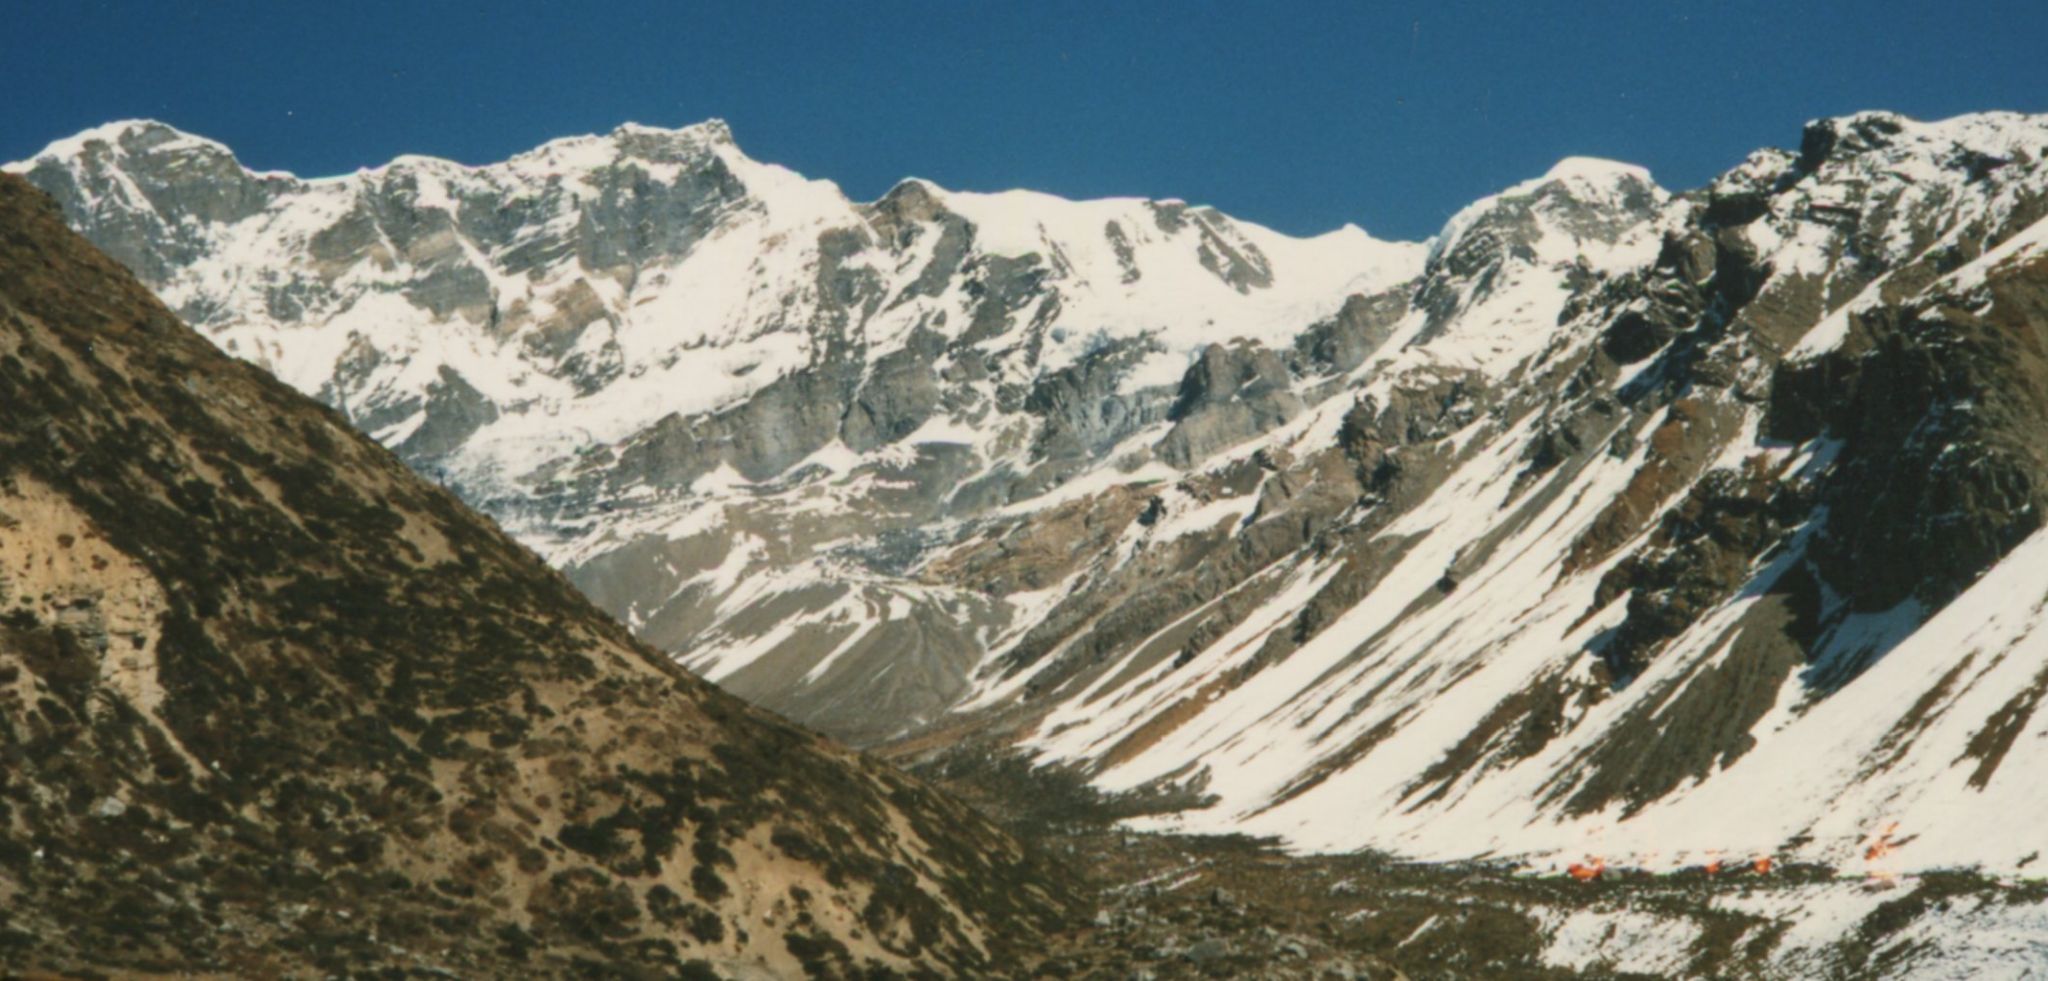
(1301, 116)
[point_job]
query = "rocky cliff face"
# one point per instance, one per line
(724, 397)
(1610, 519)
(271, 704)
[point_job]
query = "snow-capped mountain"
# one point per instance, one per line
(273, 706)
(1658, 525)
(734, 404)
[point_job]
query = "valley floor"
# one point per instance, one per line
(1188, 907)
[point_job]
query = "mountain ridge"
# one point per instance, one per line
(1533, 541)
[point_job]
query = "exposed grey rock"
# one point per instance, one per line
(899, 394)
(1358, 330)
(454, 410)
(1084, 409)
(1230, 394)
(1228, 255)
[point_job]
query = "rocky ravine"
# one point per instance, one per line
(1610, 520)
(270, 704)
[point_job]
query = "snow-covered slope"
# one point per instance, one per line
(1646, 587)
(725, 397)
(1611, 520)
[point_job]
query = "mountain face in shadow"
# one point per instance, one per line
(270, 703)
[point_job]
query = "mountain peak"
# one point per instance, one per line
(913, 199)
(1588, 198)
(714, 129)
(640, 138)
(633, 141)
(1599, 170)
(127, 136)
(1896, 140)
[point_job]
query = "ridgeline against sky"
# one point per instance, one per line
(1390, 115)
